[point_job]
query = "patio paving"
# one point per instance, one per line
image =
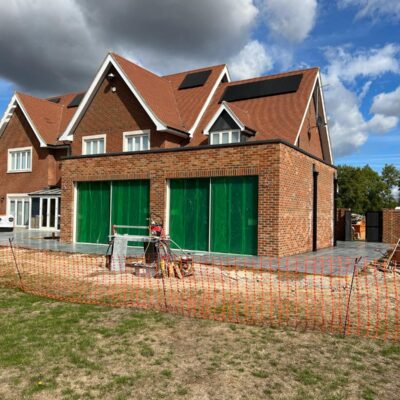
(337, 260)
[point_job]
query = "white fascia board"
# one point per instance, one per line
(109, 60)
(15, 101)
(209, 98)
(223, 107)
(328, 136)
(306, 111)
(7, 114)
(317, 80)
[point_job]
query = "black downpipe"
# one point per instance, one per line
(335, 185)
(315, 208)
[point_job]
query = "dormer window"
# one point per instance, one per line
(225, 137)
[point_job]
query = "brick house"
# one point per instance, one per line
(232, 167)
(30, 172)
(241, 167)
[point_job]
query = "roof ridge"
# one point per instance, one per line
(135, 64)
(272, 75)
(193, 70)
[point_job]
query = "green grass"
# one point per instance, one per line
(54, 350)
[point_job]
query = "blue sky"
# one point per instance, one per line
(57, 47)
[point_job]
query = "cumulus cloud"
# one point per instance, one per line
(348, 127)
(374, 8)
(63, 41)
(292, 20)
(387, 103)
(363, 63)
(252, 60)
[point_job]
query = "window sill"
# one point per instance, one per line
(19, 172)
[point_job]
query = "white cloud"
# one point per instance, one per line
(348, 127)
(292, 20)
(374, 8)
(387, 103)
(380, 123)
(251, 61)
(363, 63)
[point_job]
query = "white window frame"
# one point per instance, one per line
(220, 133)
(23, 197)
(93, 137)
(9, 162)
(141, 133)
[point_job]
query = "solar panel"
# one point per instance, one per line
(76, 100)
(266, 87)
(54, 100)
(195, 79)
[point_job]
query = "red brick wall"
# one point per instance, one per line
(45, 169)
(391, 226)
(285, 195)
(295, 201)
(310, 139)
(114, 113)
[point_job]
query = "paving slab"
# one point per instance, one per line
(337, 260)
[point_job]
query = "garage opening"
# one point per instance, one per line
(217, 214)
(105, 203)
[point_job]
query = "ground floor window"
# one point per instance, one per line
(19, 207)
(35, 212)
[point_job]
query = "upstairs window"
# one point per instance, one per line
(94, 144)
(20, 160)
(225, 137)
(137, 141)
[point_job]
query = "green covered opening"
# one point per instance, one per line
(103, 204)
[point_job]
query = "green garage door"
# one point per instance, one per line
(130, 206)
(227, 225)
(189, 204)
(234, 215)
(121, 202)
(93, 216)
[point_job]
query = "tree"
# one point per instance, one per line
(391, 176)
(363, 189)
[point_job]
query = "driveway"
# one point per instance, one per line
(337, 260)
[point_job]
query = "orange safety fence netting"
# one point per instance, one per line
(315, 294)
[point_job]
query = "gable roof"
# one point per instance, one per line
(47, 119)
(170, 109)
(192, 102)
(271, 117)
(241, 117)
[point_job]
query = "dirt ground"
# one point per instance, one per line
(224, 293)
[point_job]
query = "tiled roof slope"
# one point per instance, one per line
(272, 117)
(156, 91)
(50, 119)
(191, 101)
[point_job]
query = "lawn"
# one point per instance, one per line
(54, 350)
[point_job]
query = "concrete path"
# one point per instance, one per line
(337, 260)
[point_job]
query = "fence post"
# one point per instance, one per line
(16, 263)
(356, 261)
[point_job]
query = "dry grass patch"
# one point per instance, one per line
(53, 350)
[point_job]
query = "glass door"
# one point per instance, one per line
(49, 212)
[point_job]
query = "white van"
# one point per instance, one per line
(6, 223)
